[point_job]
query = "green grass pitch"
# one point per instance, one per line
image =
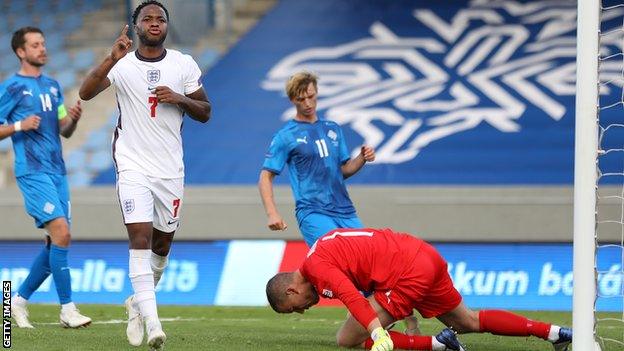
(238, 328)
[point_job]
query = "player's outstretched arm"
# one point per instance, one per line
(265, 185)
(367, 154)
(196, 104)
(97, 79)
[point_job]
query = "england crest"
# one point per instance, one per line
(153, 76)
(128, 206)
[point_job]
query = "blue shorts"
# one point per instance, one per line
(315, 225)
(46, 197)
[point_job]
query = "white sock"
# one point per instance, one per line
(142, 279)
(436, 345)
(68, 306)
(159, 263)
(553, 335)
(18, 300)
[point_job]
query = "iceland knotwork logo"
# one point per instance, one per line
(494, 63)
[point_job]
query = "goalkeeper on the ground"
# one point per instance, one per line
(403, 273)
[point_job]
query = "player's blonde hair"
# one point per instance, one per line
(298, 83)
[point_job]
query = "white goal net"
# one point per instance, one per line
(599, 178)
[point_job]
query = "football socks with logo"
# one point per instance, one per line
(159, 263)
(60, 272)
(500, 322)
(142, 279)
(405, 342)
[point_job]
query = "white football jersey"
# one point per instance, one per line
(148, 134)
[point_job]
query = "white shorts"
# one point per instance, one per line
(148, 199)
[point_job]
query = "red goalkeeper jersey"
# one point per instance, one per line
(345, 262)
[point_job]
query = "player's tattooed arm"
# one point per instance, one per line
(97, 79)
(196, 104)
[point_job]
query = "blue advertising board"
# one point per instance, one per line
(510, 276)
(99, 272)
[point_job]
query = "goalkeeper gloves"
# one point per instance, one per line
(381, 340)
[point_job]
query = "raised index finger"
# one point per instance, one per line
(124, 31)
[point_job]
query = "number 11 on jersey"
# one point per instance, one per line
(153, 101)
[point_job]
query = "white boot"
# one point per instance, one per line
(135, 329)
(71, 318)
(20, 315)
(155, 336)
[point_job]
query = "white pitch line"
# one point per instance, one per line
(248, 320)
(117, 321)
(180, 319)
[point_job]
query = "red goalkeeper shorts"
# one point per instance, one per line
(426, 286)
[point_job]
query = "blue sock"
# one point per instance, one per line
(39, 271)
(60, 273)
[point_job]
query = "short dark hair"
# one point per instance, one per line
(19, 37)
(135, 15)
(276, 290)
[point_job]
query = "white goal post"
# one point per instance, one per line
(585, 174)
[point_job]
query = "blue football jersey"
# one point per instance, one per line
(36, 151)
(314, 153)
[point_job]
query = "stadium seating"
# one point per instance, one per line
(207, 58)
(5, 145)
(378, 82)
(83, 59)
(99, 161)
(66, 77)
(68, 63)
(79, 179)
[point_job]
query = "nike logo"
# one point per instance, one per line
(27, 92)
(171, 222)
(303, 140)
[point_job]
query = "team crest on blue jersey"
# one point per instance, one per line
(128, 206)
(332, 135)
(48, 208)
(54, 91)
(153, 76)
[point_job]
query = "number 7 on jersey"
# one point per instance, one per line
(153, 101)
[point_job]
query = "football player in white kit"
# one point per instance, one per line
(154, 87)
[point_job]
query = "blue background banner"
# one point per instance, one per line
(99, 272)
(510, 276)
(472, 92)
